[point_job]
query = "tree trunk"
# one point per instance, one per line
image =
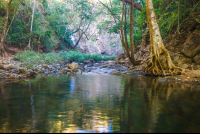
(29, 43)
(82, 34)
(154, 66)
(11, 22)
(3, 52)
(136, 5)
(124, 44)
(123, 39)
(125, 22)
(131, 33)
(123, 32)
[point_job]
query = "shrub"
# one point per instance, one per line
(31, 57)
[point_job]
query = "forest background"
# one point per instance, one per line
(87, 25)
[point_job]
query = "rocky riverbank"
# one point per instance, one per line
(10, 69)
(15, 70)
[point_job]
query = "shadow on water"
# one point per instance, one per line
(153, 106)
(98, 103)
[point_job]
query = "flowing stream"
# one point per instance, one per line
(98, 103)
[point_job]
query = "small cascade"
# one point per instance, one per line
(72, 39)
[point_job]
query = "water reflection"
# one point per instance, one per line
(98, 103)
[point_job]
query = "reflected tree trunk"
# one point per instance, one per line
(130, 106)
(154, 106)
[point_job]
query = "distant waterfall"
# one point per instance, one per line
(73, 39)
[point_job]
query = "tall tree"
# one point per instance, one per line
(29, 43)
(130, 55)
(154, 66)
(129, 52)
(3, 52)
(131, 33)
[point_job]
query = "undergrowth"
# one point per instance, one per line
(31, 57)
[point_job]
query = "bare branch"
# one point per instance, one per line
(136, 5)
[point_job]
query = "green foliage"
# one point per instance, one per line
(114, 25)
(167, 14)
(31, 57)
(109, 57)
(52, 22)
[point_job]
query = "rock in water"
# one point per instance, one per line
(73, 66)
(162, 79)
(115, 72)
(65, 70)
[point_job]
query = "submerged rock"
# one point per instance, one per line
(115, 72)
(65, 70)
(123, 68)
(162, 79)
(78, 71)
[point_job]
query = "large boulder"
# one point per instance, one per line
(65, 70)
(191, 47)
(73, 66)
(197, 59)
(180, 59)
(120, 57)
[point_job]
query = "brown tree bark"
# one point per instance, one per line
(124, 43)
(122, 31)
(125, 23)
(131, 33)
(3, 52)
(29, 43)
(136, 5)
(154, 66)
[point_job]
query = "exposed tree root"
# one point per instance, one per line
(154, 66)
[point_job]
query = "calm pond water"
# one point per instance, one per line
(98, 103)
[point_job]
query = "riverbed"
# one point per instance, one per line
(98, 103)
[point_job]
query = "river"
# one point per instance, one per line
(96, 103)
